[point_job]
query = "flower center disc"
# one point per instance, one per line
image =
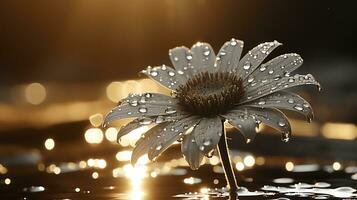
(210, 93)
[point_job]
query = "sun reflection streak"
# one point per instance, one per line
(136, 175)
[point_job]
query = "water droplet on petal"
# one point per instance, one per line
(159, 119)
(298, 107)
(233, 42)
(262, 68)
(133, 103)
(206, 52)
(180, 72)
(145, 121)
(158, 147)
(176, 59)
(261, 102)
(154, 73)
(281, 123)
(170, 110)
(202, 148)
(207, 142)
(143, 110)
(290, 100)
(246, 65)
(189, 57)
(171, 73)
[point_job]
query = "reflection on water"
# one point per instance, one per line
(95, 166)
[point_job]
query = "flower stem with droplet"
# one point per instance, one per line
(227, 164)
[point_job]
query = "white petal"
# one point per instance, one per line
(207, 133)
(149, 98)
(181, 58)
(276, 68)
(229, 55)
(126, 110)
(254, 58)
(277, 85)
(166, 76)
(191, 151)
(203, 58)
(145, 121)
(285, 100)
(271, 117)
(144, 143)
(244, 122)
(170, 134)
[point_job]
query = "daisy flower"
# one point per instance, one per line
(208, 90)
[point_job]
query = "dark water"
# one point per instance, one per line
(105, 177)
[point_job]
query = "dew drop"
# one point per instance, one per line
(246, 66)
(176, 59)
(271, 72)
(143, 110)
(251, 79)
(159, 119)
(262, 68)
(148, 95)
(170, 110)
(202, 148)
(133, 103)
(158, 147)
(207, 142)
(145, 121)
(297, 107)
(281, 123)
(154, 73)
(189, 57)
(233, 42)
(180, 72)
(171, 73)
(290, 100)
(261, 102)
(206, 52)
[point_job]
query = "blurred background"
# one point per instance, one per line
(64, 64)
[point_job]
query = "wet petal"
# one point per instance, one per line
(126, 110)
(275, 68)
(229, 55)
(170, 134)
(277, 85)
(144, 121)
(149, 98)
(181, 58)
(285, 100)
(145, 142)
(254, 58)
(244, 122)
(203, 58)
(191, 151)
(207, 133)
(166, 76)
(271, 117)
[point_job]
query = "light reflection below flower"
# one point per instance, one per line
(135, 175)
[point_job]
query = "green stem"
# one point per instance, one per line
(227, 164)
